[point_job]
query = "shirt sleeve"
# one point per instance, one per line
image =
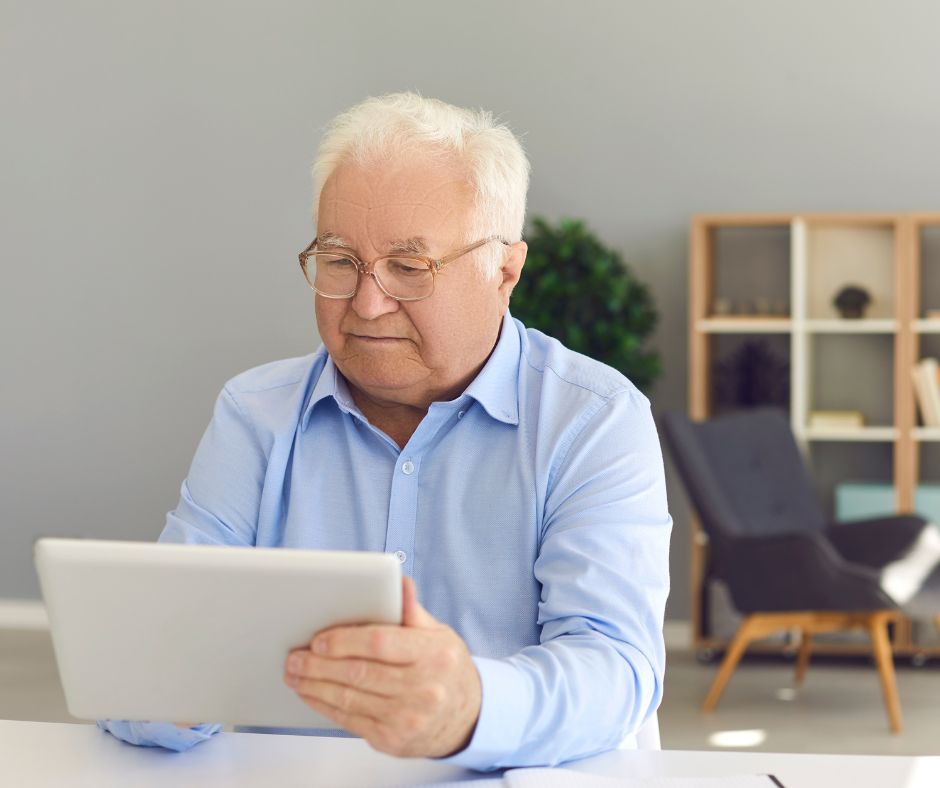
(221, 497)
(597, 673)
(159, 734)
(219, 504)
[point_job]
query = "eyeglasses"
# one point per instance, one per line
(402, 277)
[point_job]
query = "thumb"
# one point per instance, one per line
(412, 614)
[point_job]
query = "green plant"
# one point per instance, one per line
(578, 291)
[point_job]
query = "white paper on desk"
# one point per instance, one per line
(561, 778)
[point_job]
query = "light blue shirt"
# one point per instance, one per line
(530, 511)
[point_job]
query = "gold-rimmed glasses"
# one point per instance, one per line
(336, 273)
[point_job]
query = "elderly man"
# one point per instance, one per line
(520, 484)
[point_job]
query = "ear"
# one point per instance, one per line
(511, 270)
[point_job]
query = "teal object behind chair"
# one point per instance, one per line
(858, 500)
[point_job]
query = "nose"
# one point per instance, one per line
(370, 302)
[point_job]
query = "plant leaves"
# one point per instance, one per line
(583, 294)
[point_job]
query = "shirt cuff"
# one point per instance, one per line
(504, 709)
(159, 734)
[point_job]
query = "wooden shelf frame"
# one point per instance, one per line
(902, 324)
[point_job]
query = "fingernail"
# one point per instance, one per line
(294, 663)
(319, 646)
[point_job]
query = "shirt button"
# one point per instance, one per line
(460, 414)
(401, 555)
(408, 467)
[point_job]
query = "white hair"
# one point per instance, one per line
(384, 127)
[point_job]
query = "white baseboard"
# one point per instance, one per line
(23, 614)
(678, 635)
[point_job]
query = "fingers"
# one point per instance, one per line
(346, 699)
(390, 644)
(366, 675)
(359, 725)
(384, 725)
(412, 614)
(383, 643)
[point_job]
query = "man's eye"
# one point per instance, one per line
(340, 263)
(406, 267)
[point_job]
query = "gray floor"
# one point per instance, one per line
(839, 709)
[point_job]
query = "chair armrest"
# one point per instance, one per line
(877, 541)
(794, 571)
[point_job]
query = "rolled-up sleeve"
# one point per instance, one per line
(603, 564)
(159, 734)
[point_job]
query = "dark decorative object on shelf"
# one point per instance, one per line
(753, 376)
(579, 291)
(852, 301)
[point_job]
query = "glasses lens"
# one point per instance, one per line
(404, 277)
(333, 274)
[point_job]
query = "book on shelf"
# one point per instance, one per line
(837, 419)
(927, 390)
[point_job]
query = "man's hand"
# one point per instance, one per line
(410, 691)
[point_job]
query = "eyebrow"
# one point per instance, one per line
(415, 245)
(333, 240)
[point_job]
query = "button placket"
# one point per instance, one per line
(403, 511)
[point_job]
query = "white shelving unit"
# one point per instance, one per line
(828, 253)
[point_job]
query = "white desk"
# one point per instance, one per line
(38, 754)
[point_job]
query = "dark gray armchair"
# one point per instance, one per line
(786, 566)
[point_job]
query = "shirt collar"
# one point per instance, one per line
(330, 384)
(495, 387)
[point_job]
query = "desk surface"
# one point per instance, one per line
(41, 754)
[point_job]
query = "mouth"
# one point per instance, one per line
(376, 340)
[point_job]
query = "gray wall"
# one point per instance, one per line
(154, 188)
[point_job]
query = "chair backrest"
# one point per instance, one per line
(744, 473)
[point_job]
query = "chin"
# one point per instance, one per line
(381, 373)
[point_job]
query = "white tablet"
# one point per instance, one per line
(151, 631)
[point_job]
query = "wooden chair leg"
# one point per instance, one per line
(802, 657)
(736, 649)
(881, 646)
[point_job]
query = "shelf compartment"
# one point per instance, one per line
(928, 275)
(841, 254)
(849, 372)
(750, 272)
(748, 370)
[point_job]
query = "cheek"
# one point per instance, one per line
(329, 316)
(452, 331)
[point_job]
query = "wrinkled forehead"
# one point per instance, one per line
(375, 205)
